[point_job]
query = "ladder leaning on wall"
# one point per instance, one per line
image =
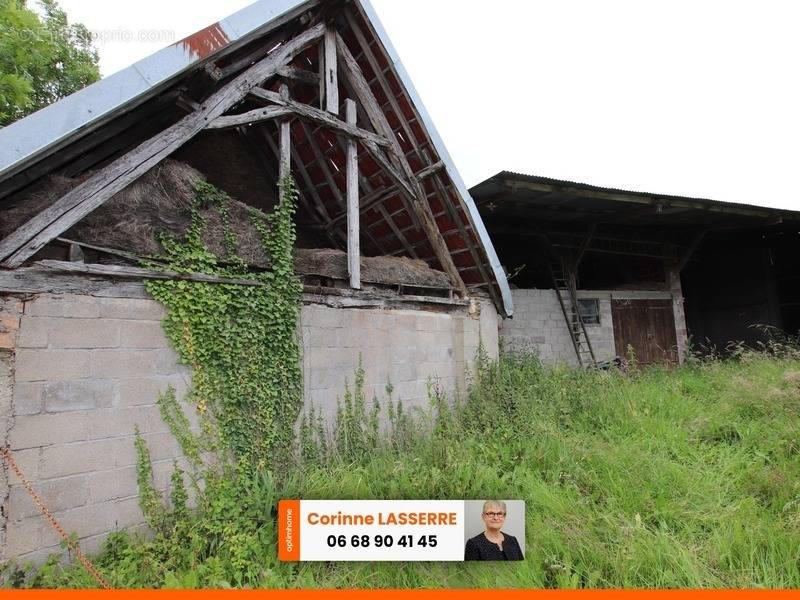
(564, 287)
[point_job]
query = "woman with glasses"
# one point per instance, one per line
(493, 544)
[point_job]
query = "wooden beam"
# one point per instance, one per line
(301, 75)
(319, 116)
(103, 184)
(376, 69)
(259, 115)
(417, 196)
(285, 137)
(379, 196)
(687, 253)
(353, 216)
(584, 245)
(137, 273)
(331, 87)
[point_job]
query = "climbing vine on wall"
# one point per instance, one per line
(240, 340)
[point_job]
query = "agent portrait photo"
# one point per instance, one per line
(493, 543)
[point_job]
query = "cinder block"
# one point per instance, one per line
(32, 431)
(33, 332)
(40, 365)
(27, 399)
(122, 450)
(111, 485)
(127, 513)
(28, 463)
(70, 305)
(78, 458)
(84, 333)
(78, 394)
(143, 390)
(167, 362)
(119, 422)
(91, 545)
(123, 364)
(131, 308)
(162, 446)
(143, 334)
(85, 521)
(24, 536)
(57, 494)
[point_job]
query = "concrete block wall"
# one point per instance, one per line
(538, 326)
(78, 373)
(408, 348)
(86, 372)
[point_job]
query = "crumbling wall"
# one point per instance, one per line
(538, 326)
(85, 370)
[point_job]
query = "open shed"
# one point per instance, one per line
(647, 272)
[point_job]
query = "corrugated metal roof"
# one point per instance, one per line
(28, 139)
(717, 204)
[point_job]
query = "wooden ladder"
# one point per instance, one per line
(568, 300)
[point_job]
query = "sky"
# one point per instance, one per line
(694, 98)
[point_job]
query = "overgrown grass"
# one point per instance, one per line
(659, 478)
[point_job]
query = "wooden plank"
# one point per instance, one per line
(125, 272)
(259, 115)
(319, 116)
(353, 216)
(37, 280)
(329, 70)
(102, 185)
(353, 73)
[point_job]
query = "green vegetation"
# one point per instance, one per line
(239, 339)
(658, 478)
(41, 59)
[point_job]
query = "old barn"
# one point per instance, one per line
(397, 268)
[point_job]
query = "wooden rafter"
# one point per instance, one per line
(250, 117)
(352, 72)
(315, 115)
(376, 197)
(102, 185)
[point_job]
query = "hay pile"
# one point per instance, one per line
(160, 200)
(389, 270)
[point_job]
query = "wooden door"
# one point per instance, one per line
(648, 326)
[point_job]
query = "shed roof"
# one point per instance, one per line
(532, 199)
(95, 127)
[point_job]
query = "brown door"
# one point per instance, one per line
(647, 326)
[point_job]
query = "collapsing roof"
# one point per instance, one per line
(243, 79)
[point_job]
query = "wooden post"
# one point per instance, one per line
(329, 82)
(353, 247)
(285, 141)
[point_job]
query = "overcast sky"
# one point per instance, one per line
(694, 98)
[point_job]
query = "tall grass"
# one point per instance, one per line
(658, 478)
